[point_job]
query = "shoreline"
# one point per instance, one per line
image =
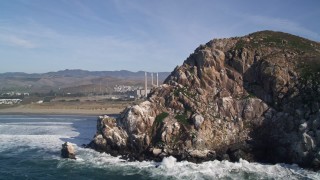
(21, 110)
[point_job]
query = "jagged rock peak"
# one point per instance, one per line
(254, 97)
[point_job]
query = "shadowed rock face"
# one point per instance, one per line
(254, 97)
(67, 151)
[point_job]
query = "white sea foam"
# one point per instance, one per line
(46, 142)
(170, 168)
(49, 136)
(36, 123)
(43, 133)
(168, 163)
(40, 129)
(43, 117)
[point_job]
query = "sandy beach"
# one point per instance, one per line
(53, 109)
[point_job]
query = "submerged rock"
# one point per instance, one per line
(68, 151)
(250, 97)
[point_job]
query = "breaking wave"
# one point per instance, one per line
(30, 148)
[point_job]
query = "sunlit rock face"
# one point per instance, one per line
(67, 151)
(254, 97)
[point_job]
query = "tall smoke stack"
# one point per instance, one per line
(157, 79)
(145, 84)
(151, 79)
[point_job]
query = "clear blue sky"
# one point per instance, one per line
(152, 35)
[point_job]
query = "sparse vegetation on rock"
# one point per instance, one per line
(254, 97)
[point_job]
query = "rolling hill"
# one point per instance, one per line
(75, 81)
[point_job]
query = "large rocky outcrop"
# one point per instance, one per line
(254, 97)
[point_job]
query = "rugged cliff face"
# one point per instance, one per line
(255, 97)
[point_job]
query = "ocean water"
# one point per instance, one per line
(30, 149)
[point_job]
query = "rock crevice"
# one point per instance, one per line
(251, 97)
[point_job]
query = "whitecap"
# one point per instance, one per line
(47, 139)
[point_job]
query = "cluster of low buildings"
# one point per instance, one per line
(10, 94)
(135, 92)
(124, 89)
(12, 97)
(131, 92)
(10, 101)
(139, 93)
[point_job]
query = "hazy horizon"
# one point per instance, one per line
(85, 70)
(42, 36)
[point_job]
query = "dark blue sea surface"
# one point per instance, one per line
(30, 149)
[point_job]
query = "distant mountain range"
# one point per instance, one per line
(74, 80)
